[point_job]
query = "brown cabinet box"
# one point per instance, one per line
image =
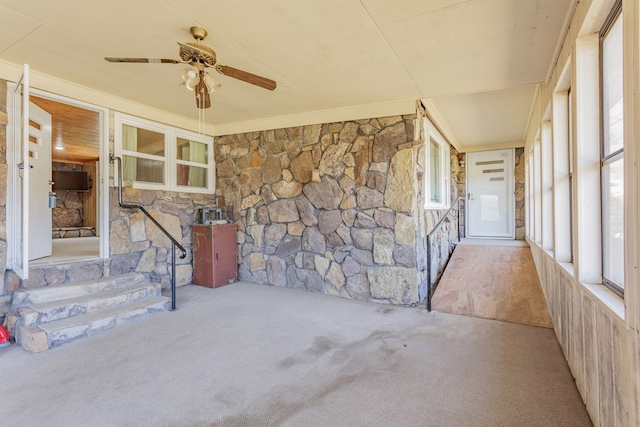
(214, 255)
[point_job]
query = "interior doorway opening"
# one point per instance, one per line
(75, 165)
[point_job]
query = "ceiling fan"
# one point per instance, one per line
(200, 57)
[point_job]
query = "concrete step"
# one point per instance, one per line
(44, 312)
(52, 334)
(25, 297)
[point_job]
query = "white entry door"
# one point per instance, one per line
(29, 173)
(39, 183)
(490, 200)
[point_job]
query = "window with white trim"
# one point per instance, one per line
(537, 190)
(530, 199)
(192, 163)
(612, 151)
(437, 175)
(563, 175)
(158, 156)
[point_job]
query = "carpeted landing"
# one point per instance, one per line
(493, 282)
(256, 355)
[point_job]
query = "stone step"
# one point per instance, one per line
(44, 312)
(52, 334)
(5, 306)
(24, 297)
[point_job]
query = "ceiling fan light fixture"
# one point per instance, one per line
(190, 73)
(192, 83)
(210, 83)
(190, 78)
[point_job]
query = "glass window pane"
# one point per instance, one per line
(613, 221)
(612, 88)
(434, 172)
(192, 176)
(192, 151)
(142, 170)
(142, 140)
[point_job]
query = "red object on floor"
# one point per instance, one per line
(214, 255)
(4, 337)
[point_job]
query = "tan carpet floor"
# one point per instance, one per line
(247, 355)
(493, 282)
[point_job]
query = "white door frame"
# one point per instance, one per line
(103, 166)
(103, 162)
(510, 201)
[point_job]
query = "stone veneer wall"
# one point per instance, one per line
(137, 244)
(69, 209)
(331, 208)
(519, 193)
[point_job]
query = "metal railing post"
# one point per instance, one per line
(458, 201)
(173, 276)
(458, 219)
(428, 273)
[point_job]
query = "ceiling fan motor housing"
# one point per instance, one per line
(206, 56)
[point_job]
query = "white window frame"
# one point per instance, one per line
(608, 158)
(547, 189)
(537, 189)
(432, 134)
(562, 179)
(170, 158)
(530, 199)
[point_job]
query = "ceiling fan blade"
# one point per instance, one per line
(144, 60)
(203, 100)
(245, 76)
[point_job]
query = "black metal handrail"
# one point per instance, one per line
(174, 242)
(433, 230)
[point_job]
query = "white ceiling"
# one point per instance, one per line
(476, 61)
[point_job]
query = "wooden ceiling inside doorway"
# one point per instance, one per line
(75, 129)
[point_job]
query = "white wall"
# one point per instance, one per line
(598, 330)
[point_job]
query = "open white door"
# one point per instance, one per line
(29, 145)
(39, 213)
(18, 177)
(490, 199)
